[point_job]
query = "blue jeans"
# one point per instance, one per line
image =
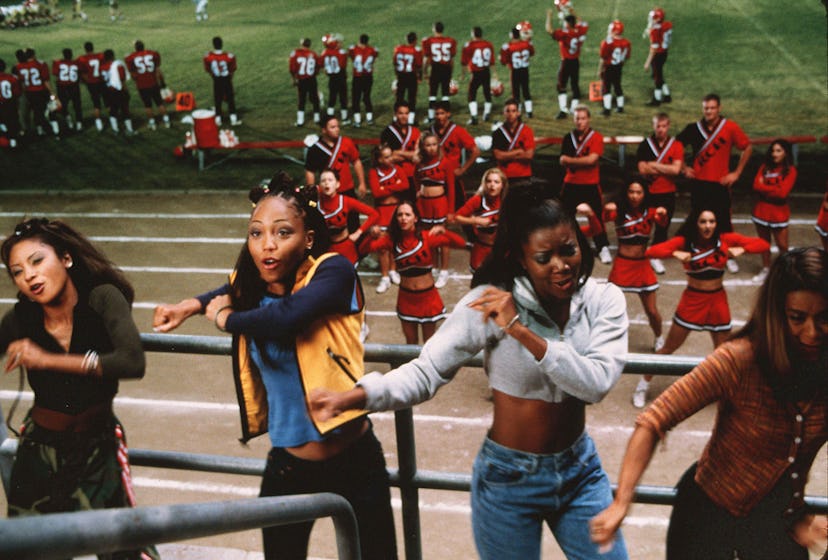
(514, 492)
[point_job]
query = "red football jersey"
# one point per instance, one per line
(220, 64)
(439, 50)
(91, 67)
(67, 72)
(570, 40)
(660, 36)
(516, 54)
(9, 87)
(33, 74)
(407, 59)
(143, 66)
(335, 60)
(362, 58)
(477, 54)
(304, 63)
(615, 52)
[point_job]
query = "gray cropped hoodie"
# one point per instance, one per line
(585, 361)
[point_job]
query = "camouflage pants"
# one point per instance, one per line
(73, 471)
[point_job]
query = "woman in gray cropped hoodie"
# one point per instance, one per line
(554, 340)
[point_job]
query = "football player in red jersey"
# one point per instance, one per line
(454, 140)
(34, 77)
(304, 64)
(10, 92)
(91, 75)
(144, 66)
(515, 54)
(362, 57)
(408, 67)
(438, 63)
(614, 52)
(335, 62)
(478, 56)
(570, 38)
(221, 66)
(660, 33)
(67, 73)
(116, 76)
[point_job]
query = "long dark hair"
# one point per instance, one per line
(525, 210)
(800, 269)
(90, 267)
(623, 202)
(394, 230)
(248, 286)
(787, 163)
(689, 230)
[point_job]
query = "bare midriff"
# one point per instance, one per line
(536, 426)
(332, 446)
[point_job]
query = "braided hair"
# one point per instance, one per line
(247, 284)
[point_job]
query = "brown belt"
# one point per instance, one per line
(61, 422)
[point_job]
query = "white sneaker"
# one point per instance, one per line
(394, 276)
(605, 256)
(442, 279)
(732, 266)
(384, 284)
(658, 266)
(659, 343)
(639, 398)
(759, 278)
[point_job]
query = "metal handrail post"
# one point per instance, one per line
(62, 535)
(409, 491)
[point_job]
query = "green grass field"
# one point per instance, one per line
(767, 61)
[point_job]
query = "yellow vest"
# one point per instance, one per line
(329, 353)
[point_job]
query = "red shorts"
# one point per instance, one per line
(433, 210)
(347, 249)
(423, 306)
(771, 215)
(703, 311)
(479, 252)
(633, 275)
(386, 214)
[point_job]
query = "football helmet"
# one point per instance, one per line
(564, 7)
(167, 95)
(616, 27)
(453, 87)
(484, 143)
(525, 29)
(658, 14)
(496, 86)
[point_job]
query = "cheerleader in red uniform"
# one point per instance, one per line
(434, 180)
(631, 271)
(822, 222)
(482, 211)
(704, 251)
(418, 301)
(388, 185)
(336, 208)
(773, 182)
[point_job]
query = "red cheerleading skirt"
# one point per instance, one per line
(703, 311)
(420, 306)
(633, 275)
(386, 214)
(433, 211)
(771, 215)
(347, 249)
(479, 252)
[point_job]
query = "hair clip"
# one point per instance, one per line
(266, 189)
(312, 203)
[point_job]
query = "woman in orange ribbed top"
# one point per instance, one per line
(744, 497)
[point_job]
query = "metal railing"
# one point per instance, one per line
(62, 535)
(407, 478)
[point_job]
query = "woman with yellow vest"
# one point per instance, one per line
(295, 312)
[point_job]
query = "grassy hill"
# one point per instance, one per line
(767, 62)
